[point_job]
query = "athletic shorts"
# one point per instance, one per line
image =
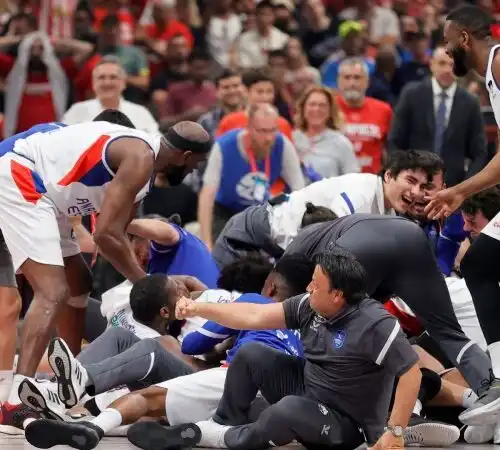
(31, 224)
(194, 397)
(492, 229)
(7, 274)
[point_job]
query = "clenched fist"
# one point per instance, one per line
(185, 308)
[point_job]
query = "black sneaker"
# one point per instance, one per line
(430, 433)
(152, 436)
(46, 433)
(486, 409)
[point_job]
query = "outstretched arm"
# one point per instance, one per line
(132, 160)
(155, 230)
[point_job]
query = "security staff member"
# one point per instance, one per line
(351, 344)
(399, 261)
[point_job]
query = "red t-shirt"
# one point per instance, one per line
(367, 128)
(172, 28)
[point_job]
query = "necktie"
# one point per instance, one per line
(440, 122)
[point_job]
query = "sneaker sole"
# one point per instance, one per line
(483, 415)
(431, 435)
(60, 361)
(31, 396)
(45, 433)
(479, 435)
(11, 430)
(153, 436)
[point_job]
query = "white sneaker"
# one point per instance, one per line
(212, 434)
(42, 397)
(70, 374)
(496, 434)
(479, 434)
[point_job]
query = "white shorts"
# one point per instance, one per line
(493, 228)
(32, 226)
(195, 397)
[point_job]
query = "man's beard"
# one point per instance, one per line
(175, 175)
(352, 95)
(459, 56)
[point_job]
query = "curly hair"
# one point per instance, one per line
(335, 120)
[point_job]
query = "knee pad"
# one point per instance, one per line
(81, 301)
(429, 386)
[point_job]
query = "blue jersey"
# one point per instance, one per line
(205, 338)
(189, 256)
(7, 145)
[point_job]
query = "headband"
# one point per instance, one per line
(181, 143)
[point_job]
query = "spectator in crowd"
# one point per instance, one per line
(297, 61)
(351, 35)
(122, 10)
(241, 167)
(260, 89)
(37, 87)
(303, 79)
(223, 28)
(230, 98)
(381, 82)
(367, 120)
(83, 20)
(176, 69)
(277, 63)
(284, 16)
(438, 115)
(319, 140)
(108, 82)
(190, 99)
(252, 47)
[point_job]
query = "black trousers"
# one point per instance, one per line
(292, 414)
(481, 269)
(399, 261)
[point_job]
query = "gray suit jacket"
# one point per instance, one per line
(413, 128)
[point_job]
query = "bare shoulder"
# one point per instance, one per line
(129, 148)
(495, 66)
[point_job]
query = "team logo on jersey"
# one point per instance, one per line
(83, 207)
(323, 409)
(339, 338)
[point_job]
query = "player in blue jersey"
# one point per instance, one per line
(192, 396)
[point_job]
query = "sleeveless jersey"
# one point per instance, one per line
(493, 86)
(71, 163)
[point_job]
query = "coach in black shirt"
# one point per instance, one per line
(353, 351)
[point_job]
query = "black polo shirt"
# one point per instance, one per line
(352, 360)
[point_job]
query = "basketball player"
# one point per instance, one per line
(58, 172)
(467, 34)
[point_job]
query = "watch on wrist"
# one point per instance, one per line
(396, 430)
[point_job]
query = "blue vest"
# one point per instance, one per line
(237, 182)
(189, 256)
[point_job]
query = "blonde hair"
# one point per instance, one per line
(335, 120)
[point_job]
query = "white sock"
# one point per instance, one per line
(494, 350)
(14, 395)
(212, 434)
(469, 397)
(5, 383)
(417, 409)
(109, 419)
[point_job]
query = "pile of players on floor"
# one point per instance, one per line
(351, 334)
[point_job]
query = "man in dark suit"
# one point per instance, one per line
(435, 114)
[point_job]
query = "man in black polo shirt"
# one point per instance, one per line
(353, 351)
(399, 261)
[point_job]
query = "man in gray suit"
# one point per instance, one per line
(435, 114)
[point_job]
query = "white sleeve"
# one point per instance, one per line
(71, 116)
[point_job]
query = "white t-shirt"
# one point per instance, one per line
(344, 195)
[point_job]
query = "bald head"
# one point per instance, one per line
(192, 131)
(262, 110)
(262, 127)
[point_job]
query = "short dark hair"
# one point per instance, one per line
(280, 53)
(254, 76)
(345, 273)
(316, 214)
(472, 19)
(417, 160)
(148, 296)
(487, 202)
(264, 4)
(296, 270)
(199, 54)
(224, 75)
(110, 21)
(114, 116)
(245, 275)
(30, 18)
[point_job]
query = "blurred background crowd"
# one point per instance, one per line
(322, 88)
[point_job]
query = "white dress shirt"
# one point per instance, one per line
(253, 48)
(87, 110)
(450, 94)
(221, 35)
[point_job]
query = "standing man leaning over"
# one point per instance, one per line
(242, 166)
(54, 172)
(351, 345)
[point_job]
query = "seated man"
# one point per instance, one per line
(271, 227)
(188, 396)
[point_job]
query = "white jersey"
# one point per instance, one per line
(493, 86)
(344, 195)
(71, 163)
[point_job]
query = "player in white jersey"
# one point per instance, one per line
(74, 171)
(406, 178)
(468, 40)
